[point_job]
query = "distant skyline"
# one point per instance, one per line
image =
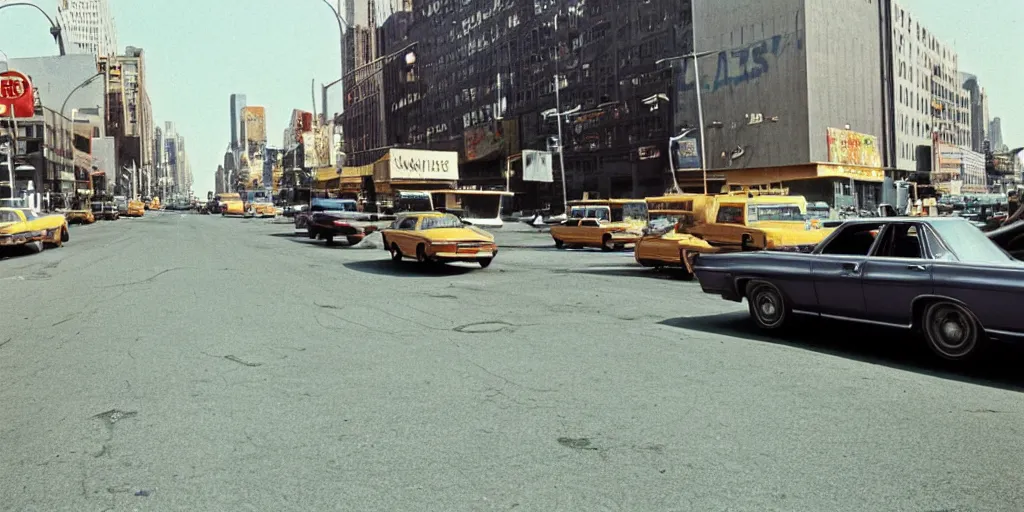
(200, 52)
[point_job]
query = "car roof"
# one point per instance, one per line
(924, 220)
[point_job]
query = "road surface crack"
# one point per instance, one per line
(241, 362)
(148, 279)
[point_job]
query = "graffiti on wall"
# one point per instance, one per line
(741, 65)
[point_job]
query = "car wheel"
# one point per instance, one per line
(559, 244)
(485, 262)
(353, 240)
(329, 239)
(35, 247)
(767, 306)
(951, 331)
(64, 235)
(421, 254)
(311, 234)
(396, 253)
(606, 243)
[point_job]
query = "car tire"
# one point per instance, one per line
(35, 247)
(485, 262)
(396, 253)
(311, 234)
(329, 239)
(606, 243)
(559, 244)
(952, 331)
(354, 240)
(767, 305)
(64, 235)
(421, 254)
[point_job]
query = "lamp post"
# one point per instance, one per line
(700, 107)
(561, 150)
(55, 29)
(342, 24)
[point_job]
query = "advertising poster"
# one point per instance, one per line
(323, 146)
(310, 160)
(537, 166)
(417, 164)
(687, 154)
(851, 148)
(483, 141)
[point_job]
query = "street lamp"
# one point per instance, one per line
(561, 152)
(672, 160)
(55, 29)
(700, 107)
(342, 23)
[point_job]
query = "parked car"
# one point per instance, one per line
(439, 238)
(106, 210)
(938, 275)
(80, 217)
(23, 226)
(609, 224)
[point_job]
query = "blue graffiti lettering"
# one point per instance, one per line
(741, 65)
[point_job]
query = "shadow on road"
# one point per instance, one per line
(886, 347)
(386, 267)
(629, 271)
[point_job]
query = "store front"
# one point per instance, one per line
(413, 169)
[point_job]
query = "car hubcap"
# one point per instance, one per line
(766, 303)
(952, 331)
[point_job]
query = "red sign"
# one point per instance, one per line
(16, 94)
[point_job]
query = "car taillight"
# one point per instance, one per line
(341, 223)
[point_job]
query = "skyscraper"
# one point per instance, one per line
(995, 134)
(88, 26)
(237, 123)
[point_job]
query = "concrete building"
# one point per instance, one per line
(927, 92)
(780, 103)
(978, 101)
(130, 115)
(45, 143)
(218, 180)
(55, 79)
(88, 27)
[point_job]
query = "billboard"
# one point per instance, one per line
(537, 166)
(309, 153)
(851, 148)
(16, 95)
(483, 140)
(687, 155)
(418, 164)
(255, 124)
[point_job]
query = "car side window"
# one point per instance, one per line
(9, 217)
(853, 240)
(589, 223)
(572, 223)
(901, 241)
(938, 249)
(730, 214)
(408, 223)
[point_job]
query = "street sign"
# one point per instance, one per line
(16, 95)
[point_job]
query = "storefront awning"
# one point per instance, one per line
(325, 174)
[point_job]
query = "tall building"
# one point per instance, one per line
(995, 131)
(978, 101)
(927, 91)
(129, 111)
(218, 180)
(237, 123)
(88, 27)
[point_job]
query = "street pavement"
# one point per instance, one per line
(185, 362)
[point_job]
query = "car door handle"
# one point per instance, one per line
(852, 268)
(918, 268)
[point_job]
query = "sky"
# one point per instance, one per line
(199, 52)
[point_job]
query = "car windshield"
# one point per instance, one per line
(9, 216)
(441, 221)
(29, 214)
(333, 205)
(969, 243)
(97, 207)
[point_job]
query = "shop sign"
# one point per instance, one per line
(537, 166)
(418, 164)
(16, 95)
(851, 148)
(648, 152)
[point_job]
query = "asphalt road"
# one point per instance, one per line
(183, 362)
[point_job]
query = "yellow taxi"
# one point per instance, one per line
(609, 224)
(440, 238)
(136, 208)
(23, 226)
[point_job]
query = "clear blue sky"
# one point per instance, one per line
(198, 52)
